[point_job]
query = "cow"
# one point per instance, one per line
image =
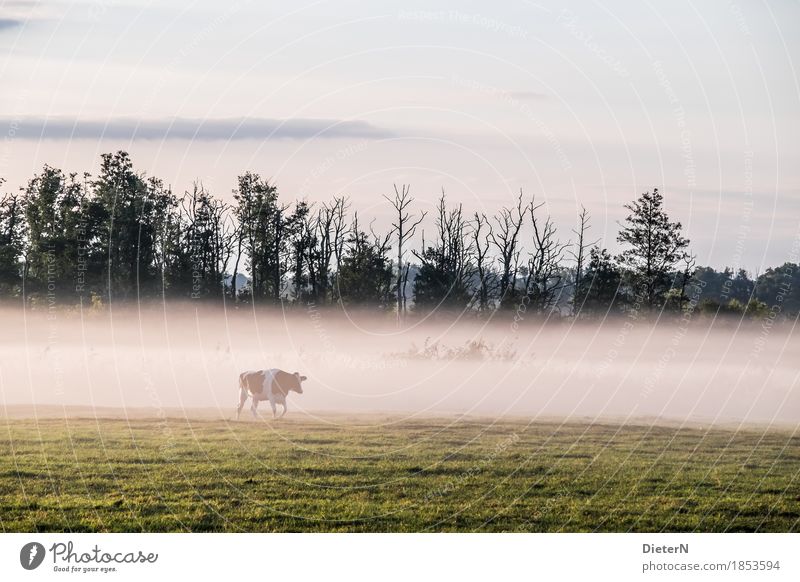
(273, 385)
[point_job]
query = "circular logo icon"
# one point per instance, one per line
(31, 555)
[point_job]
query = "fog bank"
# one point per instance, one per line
(182, 357)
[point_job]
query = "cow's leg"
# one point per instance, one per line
(284, 408)
(272, 403)
(242, 400)
(254, 407)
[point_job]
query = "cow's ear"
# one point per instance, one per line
(303, 378)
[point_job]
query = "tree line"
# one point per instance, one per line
(73, 239)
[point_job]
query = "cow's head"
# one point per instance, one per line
(299, 386)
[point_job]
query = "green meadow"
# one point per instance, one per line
(389, 474)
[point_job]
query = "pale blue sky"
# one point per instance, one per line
(589, 103)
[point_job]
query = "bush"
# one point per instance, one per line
(472, 350)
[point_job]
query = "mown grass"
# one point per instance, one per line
(386, 474)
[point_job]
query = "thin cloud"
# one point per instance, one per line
(192, 129)
(8, 23)
(528, 95)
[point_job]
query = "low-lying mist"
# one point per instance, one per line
(179, 356)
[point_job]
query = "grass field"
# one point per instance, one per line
(387, 474)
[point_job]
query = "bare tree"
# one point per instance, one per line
(239, 235)
(311, 227)
(302, 241)
(326, 232)
(340, 229)
(579, 254)
(280, 251)
(227, 237)
(480, 233)
(203, 232)
(689, 264)
(445, 272)
(505, 238)
(405, 226)
(544, 279)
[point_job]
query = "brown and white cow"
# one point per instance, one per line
(272, 385)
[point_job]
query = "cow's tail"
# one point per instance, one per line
(243, 394)
(244, 391)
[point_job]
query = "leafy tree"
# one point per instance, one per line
(718, 289)
(126, 236)
(53, 214)
(131, 209)
(755, 309)
(655, 245)
(365, 272)
(262, 223)
(714, 283)
(599, 289)
(780, 286)
(12, 242)
(741, 286)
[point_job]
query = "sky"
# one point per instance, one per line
(577, 103)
